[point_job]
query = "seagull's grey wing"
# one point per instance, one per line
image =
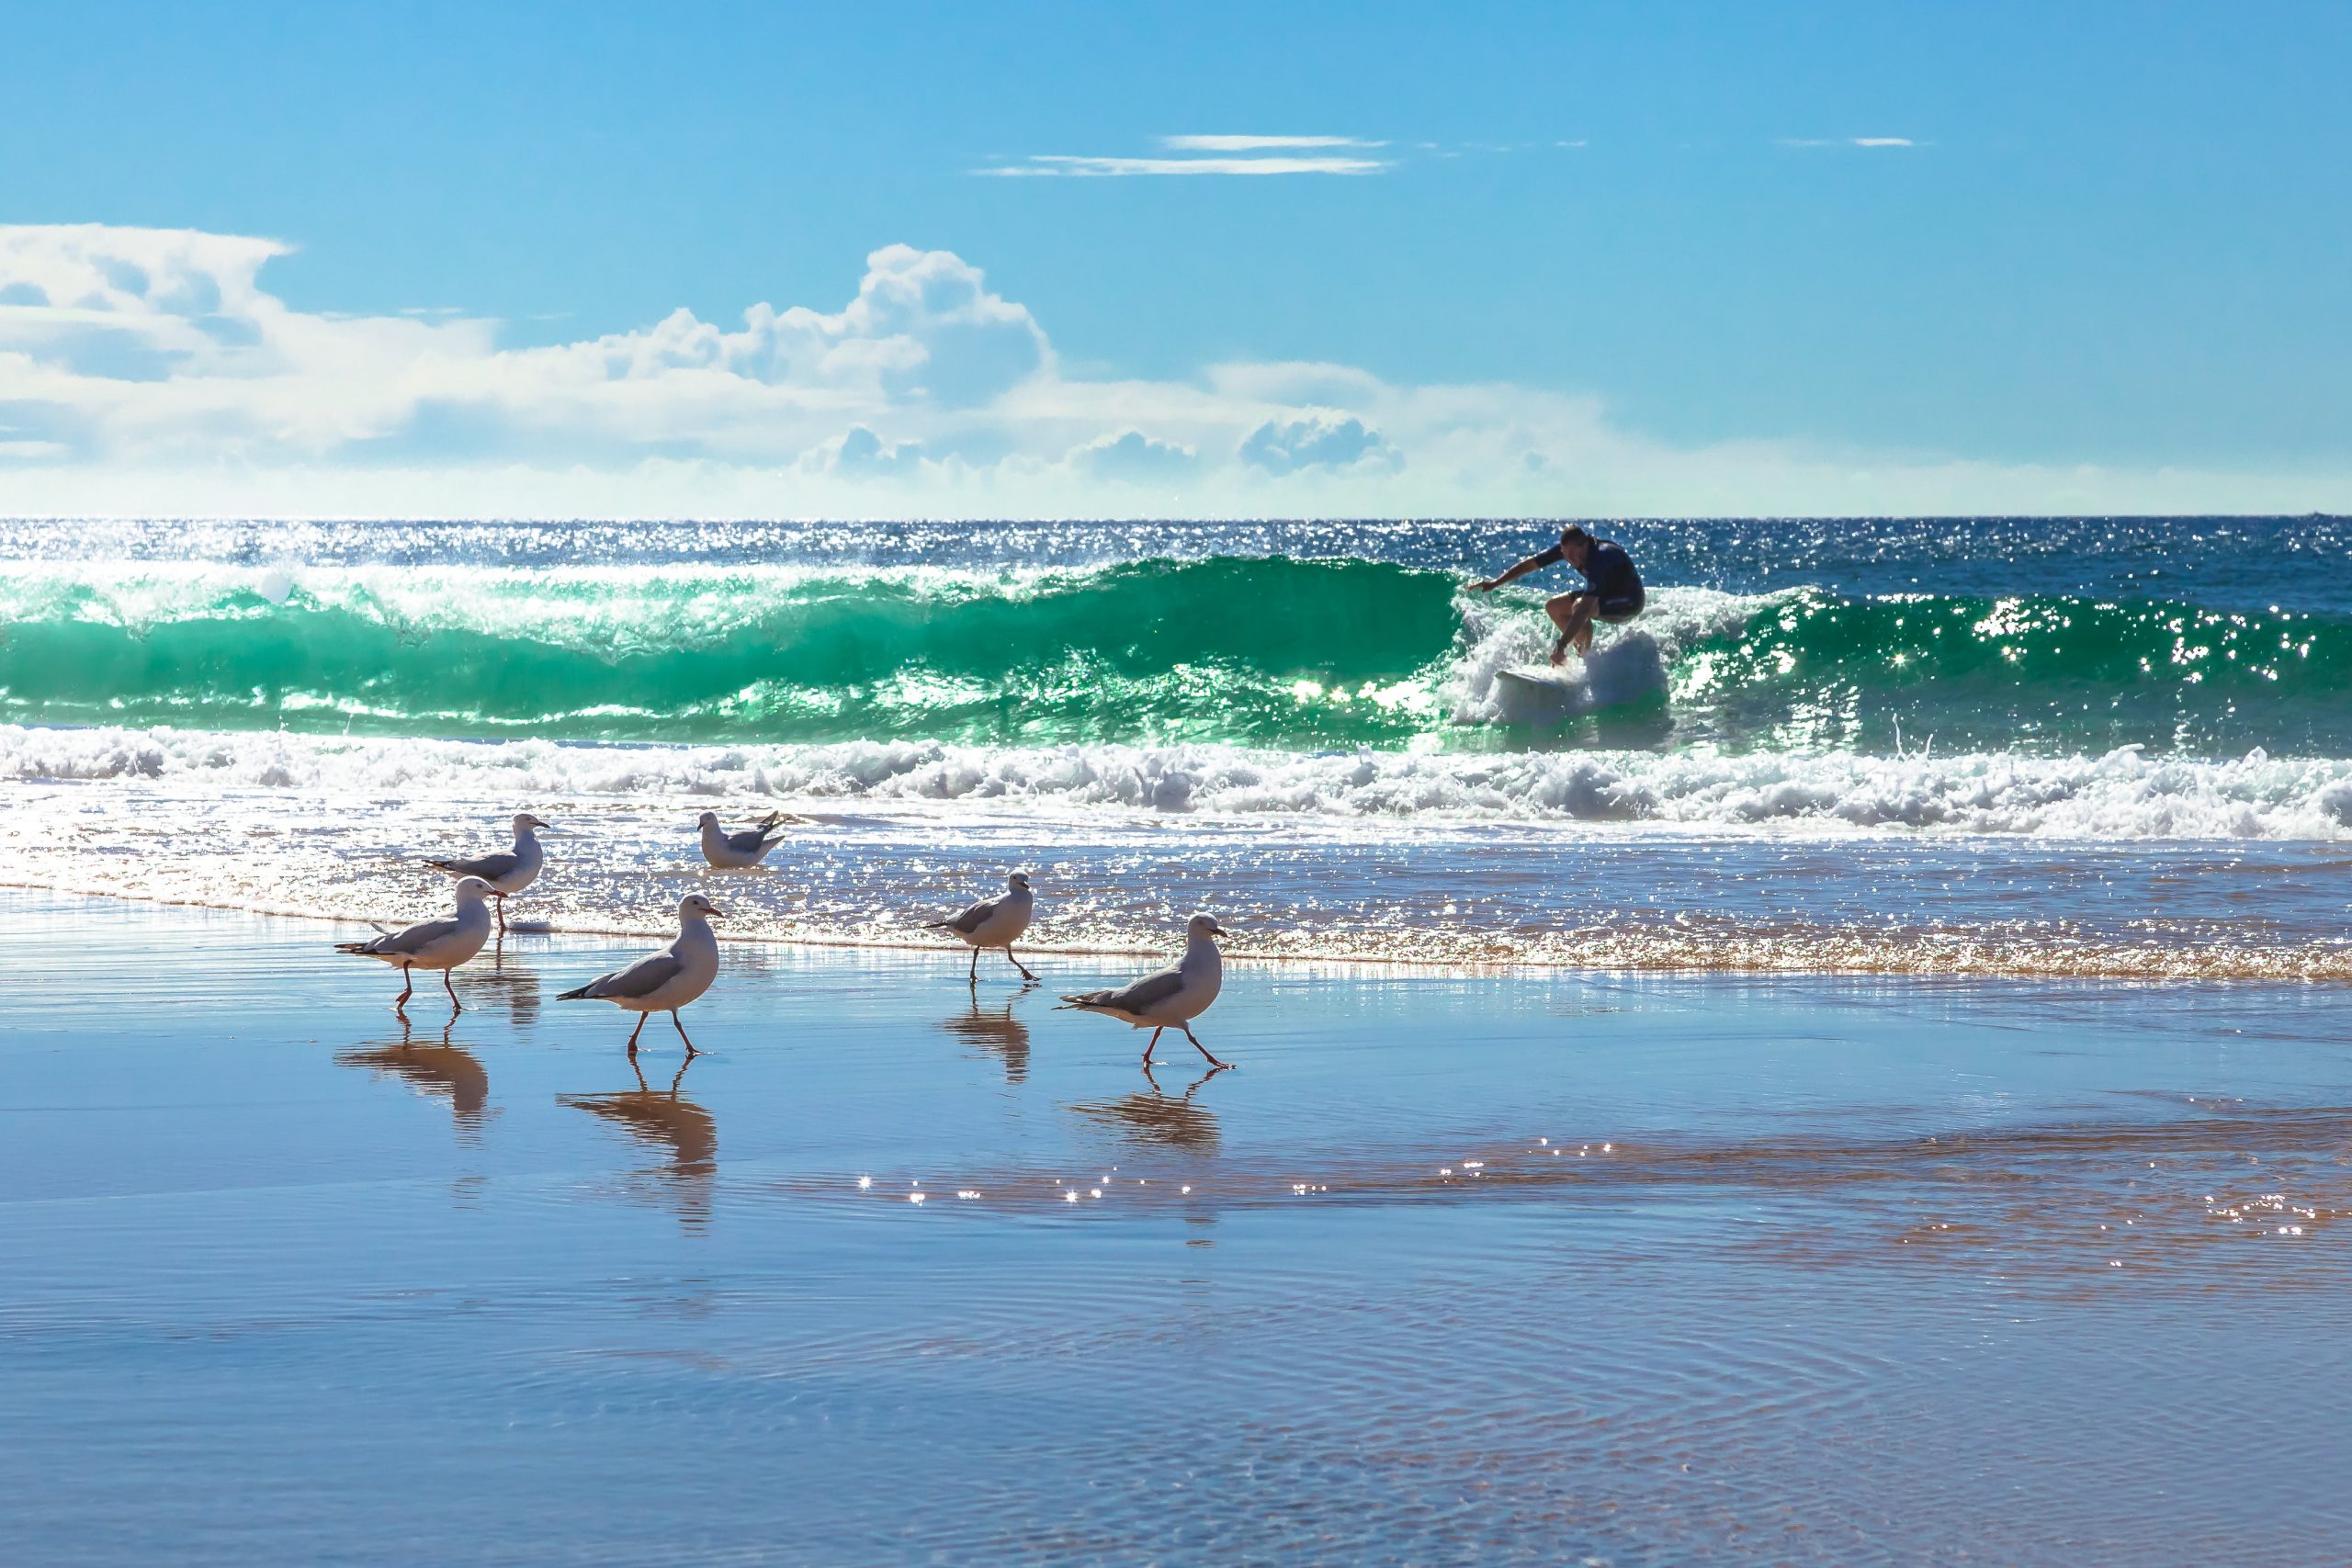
(974, 918)
(490, 868)
(642, 978)
(417, 939)
(1141, 994)
(749, 841)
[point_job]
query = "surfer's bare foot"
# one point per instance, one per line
(1559, 651)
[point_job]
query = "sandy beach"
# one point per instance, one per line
(1652, 1269)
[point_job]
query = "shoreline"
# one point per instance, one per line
(1955, 956)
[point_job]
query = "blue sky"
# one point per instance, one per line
(2107, 241)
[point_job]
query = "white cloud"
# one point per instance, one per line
(1134, 456)
(1847, 141)
(1317, 441)
(861, 454)
(1075, 166)
(1259, 143)
(149, 372)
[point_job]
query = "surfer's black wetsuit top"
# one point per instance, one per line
(1609, 574)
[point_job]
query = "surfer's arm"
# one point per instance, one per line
(1532, 563)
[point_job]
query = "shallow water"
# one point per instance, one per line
(1423, 891)
(1533, 1264)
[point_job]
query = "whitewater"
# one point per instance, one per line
(2081, 746)
(2123, 795)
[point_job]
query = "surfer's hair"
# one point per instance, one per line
(1573, 535)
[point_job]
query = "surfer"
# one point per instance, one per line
(1612, 590)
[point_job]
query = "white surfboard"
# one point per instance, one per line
(1540, 693)
(1629, 668)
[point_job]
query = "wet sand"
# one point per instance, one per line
(1538, 1265)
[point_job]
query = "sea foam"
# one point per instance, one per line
(2126, 793)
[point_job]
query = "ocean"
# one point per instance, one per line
(2115, 747)
(1861, 1080)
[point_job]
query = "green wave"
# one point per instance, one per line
(1260, 651)
(1813, 669)
(1283, 653)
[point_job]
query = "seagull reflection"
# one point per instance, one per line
(517, 989)
(662, 1120)
(437, 1070)
(1158, 1118)
(996, 1031)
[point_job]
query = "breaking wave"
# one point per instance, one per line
(2128, 794)
(1260, 653)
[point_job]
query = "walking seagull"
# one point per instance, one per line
(994, 923)
(433, 944)
(739, 852)
(662, 982)
(509, 872)
(1172, 998)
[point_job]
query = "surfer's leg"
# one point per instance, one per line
(1583, 637)
(1615, 611)
(1572, 613)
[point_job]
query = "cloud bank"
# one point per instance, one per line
(150, 372)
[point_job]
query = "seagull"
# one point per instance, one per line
(662, 982)
(509, 872)
(994, 923)
(1172, 998)
(433, 944)
(737, 852)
